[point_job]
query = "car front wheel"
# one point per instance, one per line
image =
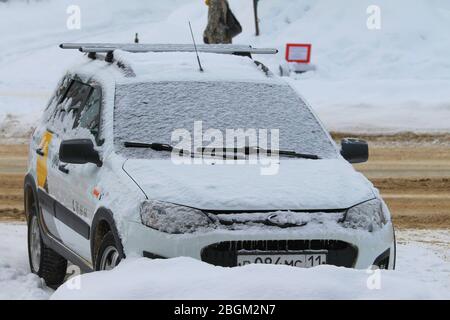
(109, 254)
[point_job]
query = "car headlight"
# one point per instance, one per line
(172, 218)
(367, 215)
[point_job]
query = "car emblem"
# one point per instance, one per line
(270, 220)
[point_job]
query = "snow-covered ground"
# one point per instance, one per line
(423, 272)
(16, 281)
(392, 79)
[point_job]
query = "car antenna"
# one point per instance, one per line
(195, 47)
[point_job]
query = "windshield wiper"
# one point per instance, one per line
(298, 154)
(247, 150)
(154, 146)
(163, 147)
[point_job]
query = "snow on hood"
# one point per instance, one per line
(298, 185)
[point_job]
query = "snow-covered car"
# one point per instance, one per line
(117, 168)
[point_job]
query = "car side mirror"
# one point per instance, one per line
(354, 150)
(79, 151)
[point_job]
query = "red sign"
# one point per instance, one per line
(296, 52)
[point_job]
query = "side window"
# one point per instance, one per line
(71, 103)
(60, 91)
(76, 96)
(89, 116)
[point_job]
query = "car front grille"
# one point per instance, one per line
(224, 254)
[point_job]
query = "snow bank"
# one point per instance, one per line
(387, 80)
(410, 44)
(31, 63)
(186, 278)
(392, 79)
(421, 273)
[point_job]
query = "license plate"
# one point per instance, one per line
(299, 259)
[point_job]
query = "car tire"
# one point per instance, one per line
(44, 262)
(109, 254)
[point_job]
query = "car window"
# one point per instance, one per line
(89, 115)
(69, 106)
(60, 91)
(152, 111)
(76, 96)
(58, 95)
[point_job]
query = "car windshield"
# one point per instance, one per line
(150, 112)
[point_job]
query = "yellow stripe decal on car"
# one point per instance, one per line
(41, 166)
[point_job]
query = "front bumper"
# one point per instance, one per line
(347, 247)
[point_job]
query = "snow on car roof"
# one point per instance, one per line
(178, 66)
(184, 66)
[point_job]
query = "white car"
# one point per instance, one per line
(127, 161)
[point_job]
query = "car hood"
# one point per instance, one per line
(298, 185)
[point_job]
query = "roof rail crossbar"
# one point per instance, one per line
(137, 48)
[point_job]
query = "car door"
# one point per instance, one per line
(86, 191)
(43, 146)
(82, 180)
(72, 227)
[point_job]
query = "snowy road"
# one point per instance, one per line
(423, 271)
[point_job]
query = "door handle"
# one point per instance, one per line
(62, 168)
(40, 152)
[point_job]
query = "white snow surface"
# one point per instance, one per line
(156, 66)
(423, 272)
(191, 279)
(16, 281)
(392, 79)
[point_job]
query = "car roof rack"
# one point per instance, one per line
(138, 47)
(105, 51)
